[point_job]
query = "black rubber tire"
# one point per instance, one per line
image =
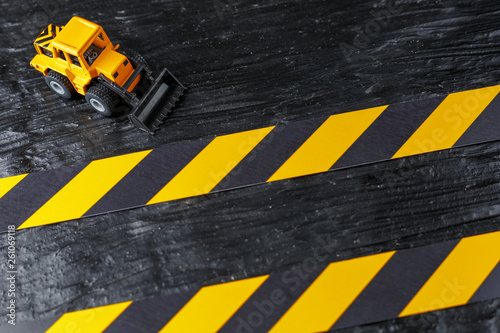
(60, 85)
(135, 57)
(101, 99)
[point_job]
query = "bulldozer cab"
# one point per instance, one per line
(44, 50)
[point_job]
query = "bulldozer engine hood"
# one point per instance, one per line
(114, 65)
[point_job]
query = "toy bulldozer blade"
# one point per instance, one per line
(157, 102)
(151, 100)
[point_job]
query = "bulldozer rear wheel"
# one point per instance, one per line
(60, 84)
(101, 99)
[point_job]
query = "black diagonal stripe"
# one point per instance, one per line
(38, 326)
(44, 33)
(149, 315)
(41, 41)
(490, 287)
(32, 193)
(485, 128)
(388, 133)
(270, 154)
(40, 37)
(148, 177)
(395, 285)
(270, 302)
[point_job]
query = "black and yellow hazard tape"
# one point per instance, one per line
(313, 298)
(47, 35)
(251, 157)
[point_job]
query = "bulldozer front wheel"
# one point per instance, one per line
(101, 99)
(60, 84)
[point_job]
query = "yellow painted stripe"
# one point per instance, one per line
(43, 37)
(459, 276)
(322, 304)
(327, 144)
(94, 320)
(83, 191)
(6, 184)
(448, 122)
(210, 166)
(213, 306)
(52, 31)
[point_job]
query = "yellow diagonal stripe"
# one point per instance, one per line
(213, 306)
(94, 320)
(44, 36)
(327, 144)
(322, 304)
(448, 122)
(47, 34)
(6, 184)
(46, 43)
(459, 276)
(210, 166)
(83, 191)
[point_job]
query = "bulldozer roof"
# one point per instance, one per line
(76, 35)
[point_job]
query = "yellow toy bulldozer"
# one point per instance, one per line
(80, 58)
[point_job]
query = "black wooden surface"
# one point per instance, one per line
(248, 65)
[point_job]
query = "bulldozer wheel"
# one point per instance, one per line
(101, 99)
(136, 57)
(60, 84)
